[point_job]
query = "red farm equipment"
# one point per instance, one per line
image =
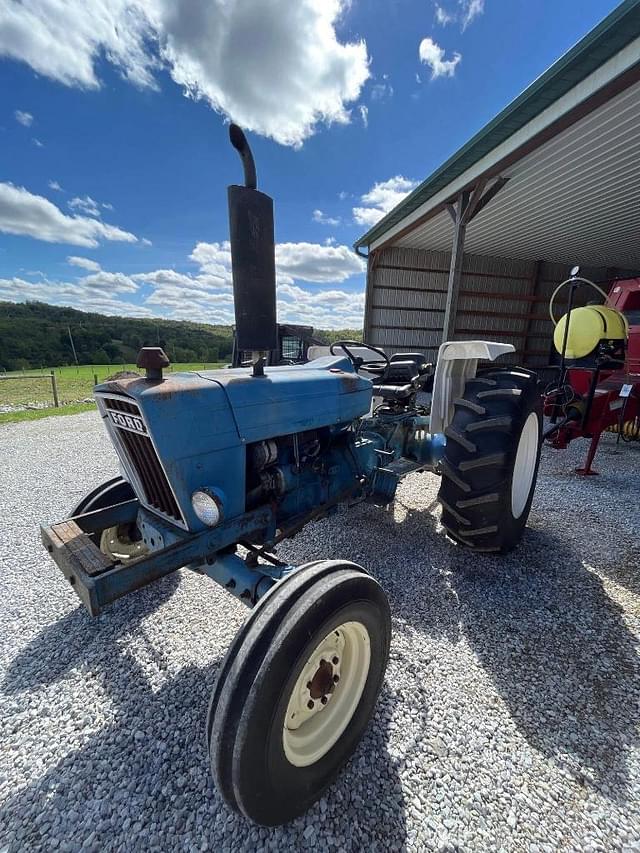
(598, 352)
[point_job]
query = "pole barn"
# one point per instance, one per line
(476, 250)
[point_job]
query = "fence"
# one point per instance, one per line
(26, 377)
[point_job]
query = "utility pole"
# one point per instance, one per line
(73, 346)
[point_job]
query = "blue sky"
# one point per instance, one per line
(114, 139)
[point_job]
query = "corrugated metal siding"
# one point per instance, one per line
(406, 295)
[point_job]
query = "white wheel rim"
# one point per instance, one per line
(313, 723)
(117, 548)
(525, 465)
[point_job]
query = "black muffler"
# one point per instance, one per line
(252, 258)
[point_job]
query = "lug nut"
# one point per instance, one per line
(308, 685)
(310, 704)
(324, 700)
(336, 679)
(335, 661)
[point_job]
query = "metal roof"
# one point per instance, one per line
(575, 199)
(580, 63)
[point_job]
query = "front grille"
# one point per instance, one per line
(137, 447)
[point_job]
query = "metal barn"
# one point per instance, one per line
(476, 250)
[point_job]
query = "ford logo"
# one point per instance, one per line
(129, 422)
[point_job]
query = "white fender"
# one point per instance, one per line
(458, 362)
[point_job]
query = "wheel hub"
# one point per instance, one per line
(317, 681)
(122, 542)
(326, 693)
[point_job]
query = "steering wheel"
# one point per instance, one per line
(378, 366)
(569, 281)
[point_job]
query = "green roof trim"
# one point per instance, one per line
(610, 36)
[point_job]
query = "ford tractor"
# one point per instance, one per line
(219, 467)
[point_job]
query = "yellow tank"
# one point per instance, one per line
(589, 325)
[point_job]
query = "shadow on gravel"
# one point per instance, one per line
(560, 654)
(555, 645)
(143, 782)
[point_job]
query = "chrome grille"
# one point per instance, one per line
(128, 426)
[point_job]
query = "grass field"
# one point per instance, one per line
(74, 383)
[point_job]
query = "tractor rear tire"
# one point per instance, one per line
(297, 689)
(491, 460)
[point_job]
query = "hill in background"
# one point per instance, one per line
(35, 335)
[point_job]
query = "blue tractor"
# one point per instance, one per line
(218, 467)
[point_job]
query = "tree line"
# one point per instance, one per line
(36, 335)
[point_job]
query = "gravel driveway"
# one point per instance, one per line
(507, 722)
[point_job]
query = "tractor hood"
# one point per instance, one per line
(192, 429)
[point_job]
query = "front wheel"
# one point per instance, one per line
(491, 460)
(297, 690)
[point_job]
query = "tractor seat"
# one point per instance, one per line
(398, 380)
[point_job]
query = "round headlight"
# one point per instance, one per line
(206, 507)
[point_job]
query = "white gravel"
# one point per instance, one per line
(508, 719)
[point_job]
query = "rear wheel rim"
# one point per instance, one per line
(525, 465)
(326, 694)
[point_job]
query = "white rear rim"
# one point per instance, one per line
(326, 694)
(525, 465)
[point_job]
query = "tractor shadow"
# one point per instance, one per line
(561, 656)
(142, 781)
(555, 645)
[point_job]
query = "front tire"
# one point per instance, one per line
(297, 690)
(491, 460)
(124, 541)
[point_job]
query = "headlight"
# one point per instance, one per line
(207, 507)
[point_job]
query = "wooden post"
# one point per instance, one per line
(54, 388)
(95, 379)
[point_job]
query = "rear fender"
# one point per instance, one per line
(457, 363)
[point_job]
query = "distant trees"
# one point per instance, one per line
(36, 335)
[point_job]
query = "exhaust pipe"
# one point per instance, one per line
(252, 257)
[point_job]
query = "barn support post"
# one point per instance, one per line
(467, 205)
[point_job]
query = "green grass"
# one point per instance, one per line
(36, 414)
(74, 383)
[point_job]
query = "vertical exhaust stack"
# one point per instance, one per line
(252, 257)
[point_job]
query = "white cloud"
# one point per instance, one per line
(364, 114)
(382, 90)
(83, 263)
(29, 215)
(82, 294)
(276, 67)
(145, 242)
(343, 194)
(433, 55)
(112, 282)
(204, 296)
(85, 204)
(471, 9)
(316, 263)
(37, 142)
(54, 185)
(322, 219)
(382, 198)
(466, 13)
(312, 262)
(23, 118)
(443, 17)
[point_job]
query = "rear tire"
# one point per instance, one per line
(491, 460)
(274, 749)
